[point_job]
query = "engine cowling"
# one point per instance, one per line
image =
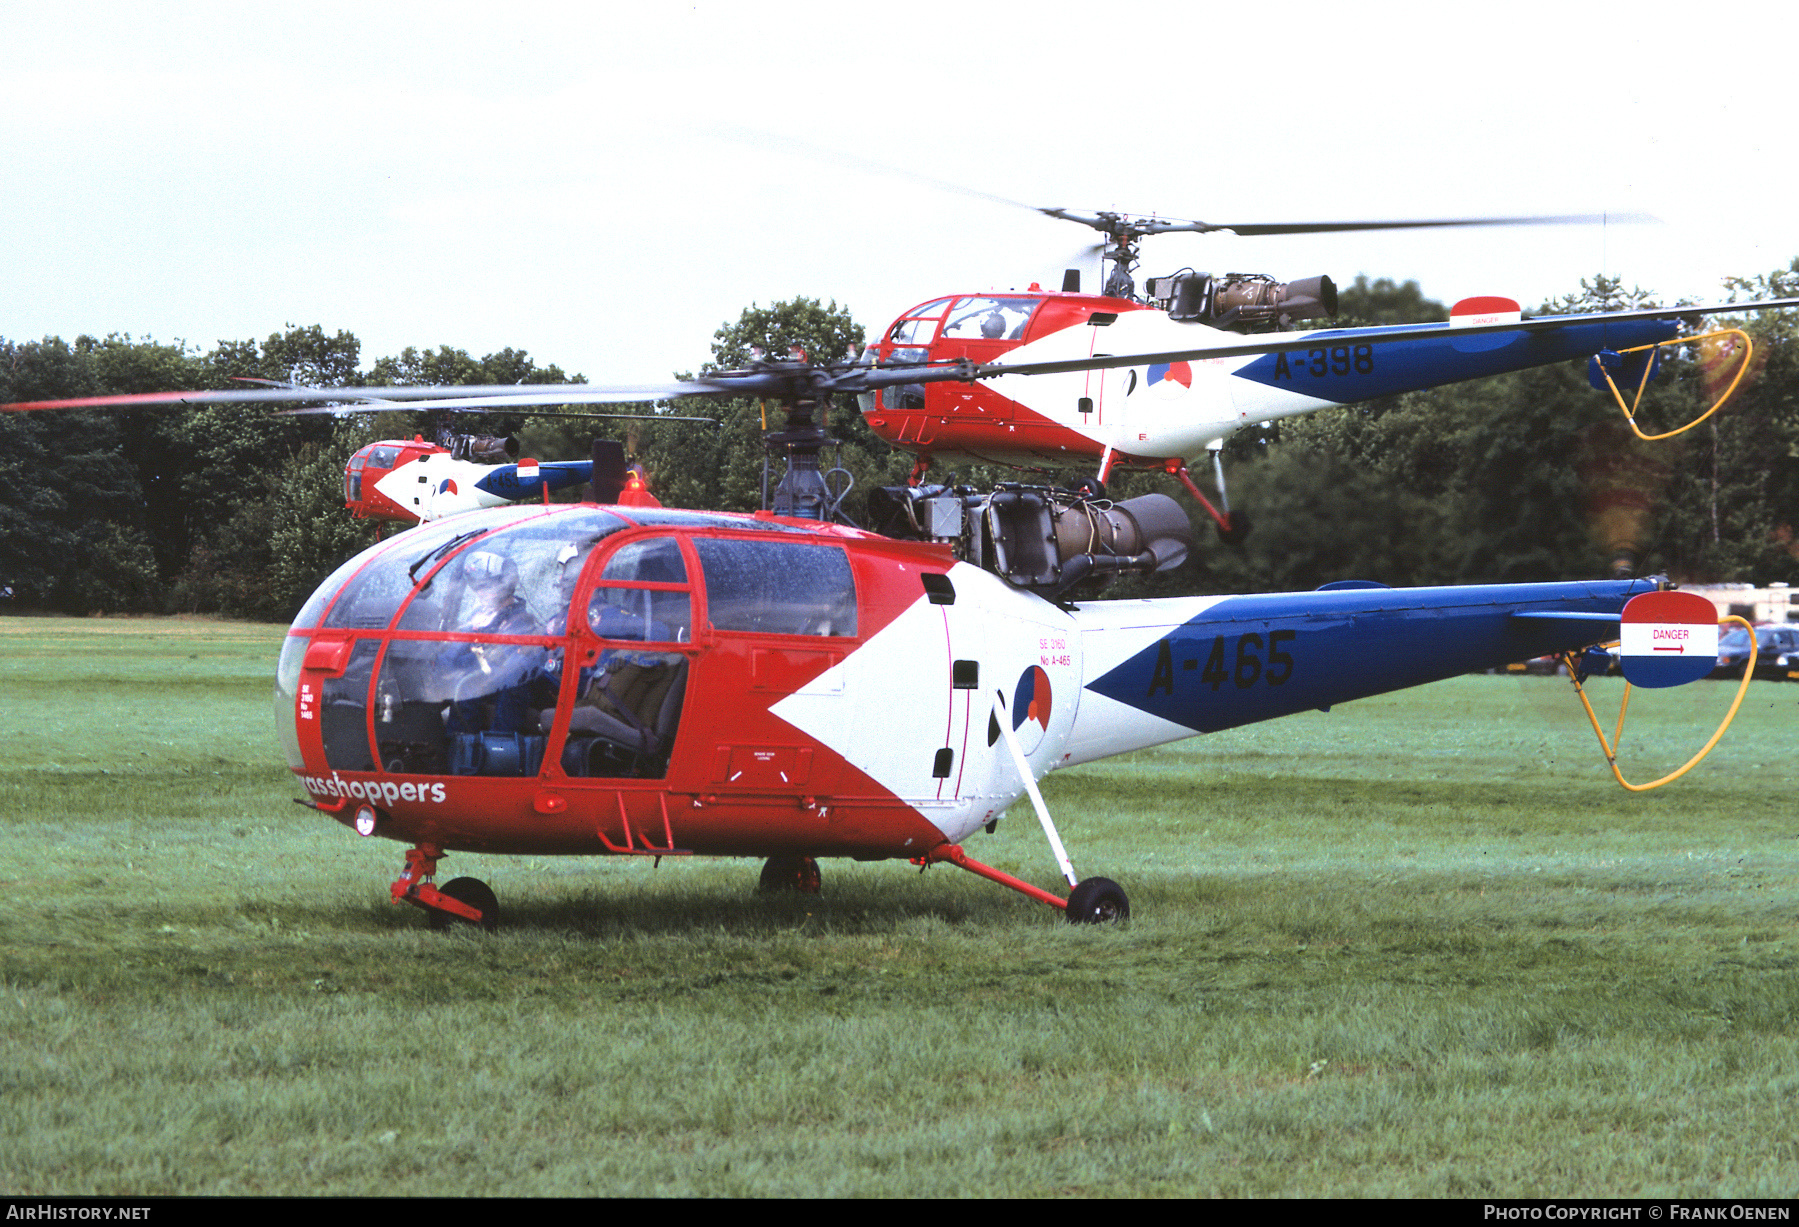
(1045, 540)
(1243, 300)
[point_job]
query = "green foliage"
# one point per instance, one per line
(1527, 476)
(218, 508)
(1602, 293)
(75, 533)
(142, 509)
(824, 332)
(310, 532)
(1384, 301)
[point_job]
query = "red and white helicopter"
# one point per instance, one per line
(415, 481)
(1156, 415)
(599, 679)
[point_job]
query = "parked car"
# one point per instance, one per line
(1777, 652)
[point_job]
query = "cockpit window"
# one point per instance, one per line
(778, 587)
(904, 395)
(920, 324)
(621, 609)
(628, 702)
(989, 319)
(370, 599)
(656, 561)
(640, 615)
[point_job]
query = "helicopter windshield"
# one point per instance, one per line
(415, 545)
(448, 650)
(920, 325)
(476, 606)
(989, 319)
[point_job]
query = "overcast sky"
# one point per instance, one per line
(605, 191)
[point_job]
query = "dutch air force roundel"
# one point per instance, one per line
(1030, 708)
(1667, 639)
(1170, 379)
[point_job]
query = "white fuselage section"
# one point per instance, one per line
(900, 691)
(1162, 411)
(436, 486)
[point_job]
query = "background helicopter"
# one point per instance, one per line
(415, 481)
(1173, 410)
(412, 481)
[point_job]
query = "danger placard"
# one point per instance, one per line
(1667, 638)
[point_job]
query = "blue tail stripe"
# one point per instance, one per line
(1361, 368)
(1254, 658)
(504, 481)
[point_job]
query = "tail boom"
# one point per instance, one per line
(1159, 671)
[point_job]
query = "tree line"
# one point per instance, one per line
(1533, 475)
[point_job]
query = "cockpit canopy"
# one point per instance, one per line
(442, 650)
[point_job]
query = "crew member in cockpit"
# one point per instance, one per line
(492, 676)
(569, 561)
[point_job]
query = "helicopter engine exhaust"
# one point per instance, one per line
(1243, 300)
(485, 449)
(1045, 540)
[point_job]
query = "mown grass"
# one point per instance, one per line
(1421, 945)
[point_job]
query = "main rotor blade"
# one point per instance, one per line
(375, 400)
(1561, 219)
(1126, 224)
(794, 381)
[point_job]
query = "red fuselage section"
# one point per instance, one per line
(578, 679)
(971, 421)
(369, 465)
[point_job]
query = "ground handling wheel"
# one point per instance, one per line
(474, 892)
(1096, 901)
(798, 874)
(1238, 530)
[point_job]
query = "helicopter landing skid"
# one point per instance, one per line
(414, 886)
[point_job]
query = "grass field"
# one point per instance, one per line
(1422, 945)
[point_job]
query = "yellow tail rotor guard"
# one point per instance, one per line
(1611, 747)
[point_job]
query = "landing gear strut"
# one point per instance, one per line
(1232, 526)
(1091, 901)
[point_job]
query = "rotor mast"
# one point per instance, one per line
(803, 491)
